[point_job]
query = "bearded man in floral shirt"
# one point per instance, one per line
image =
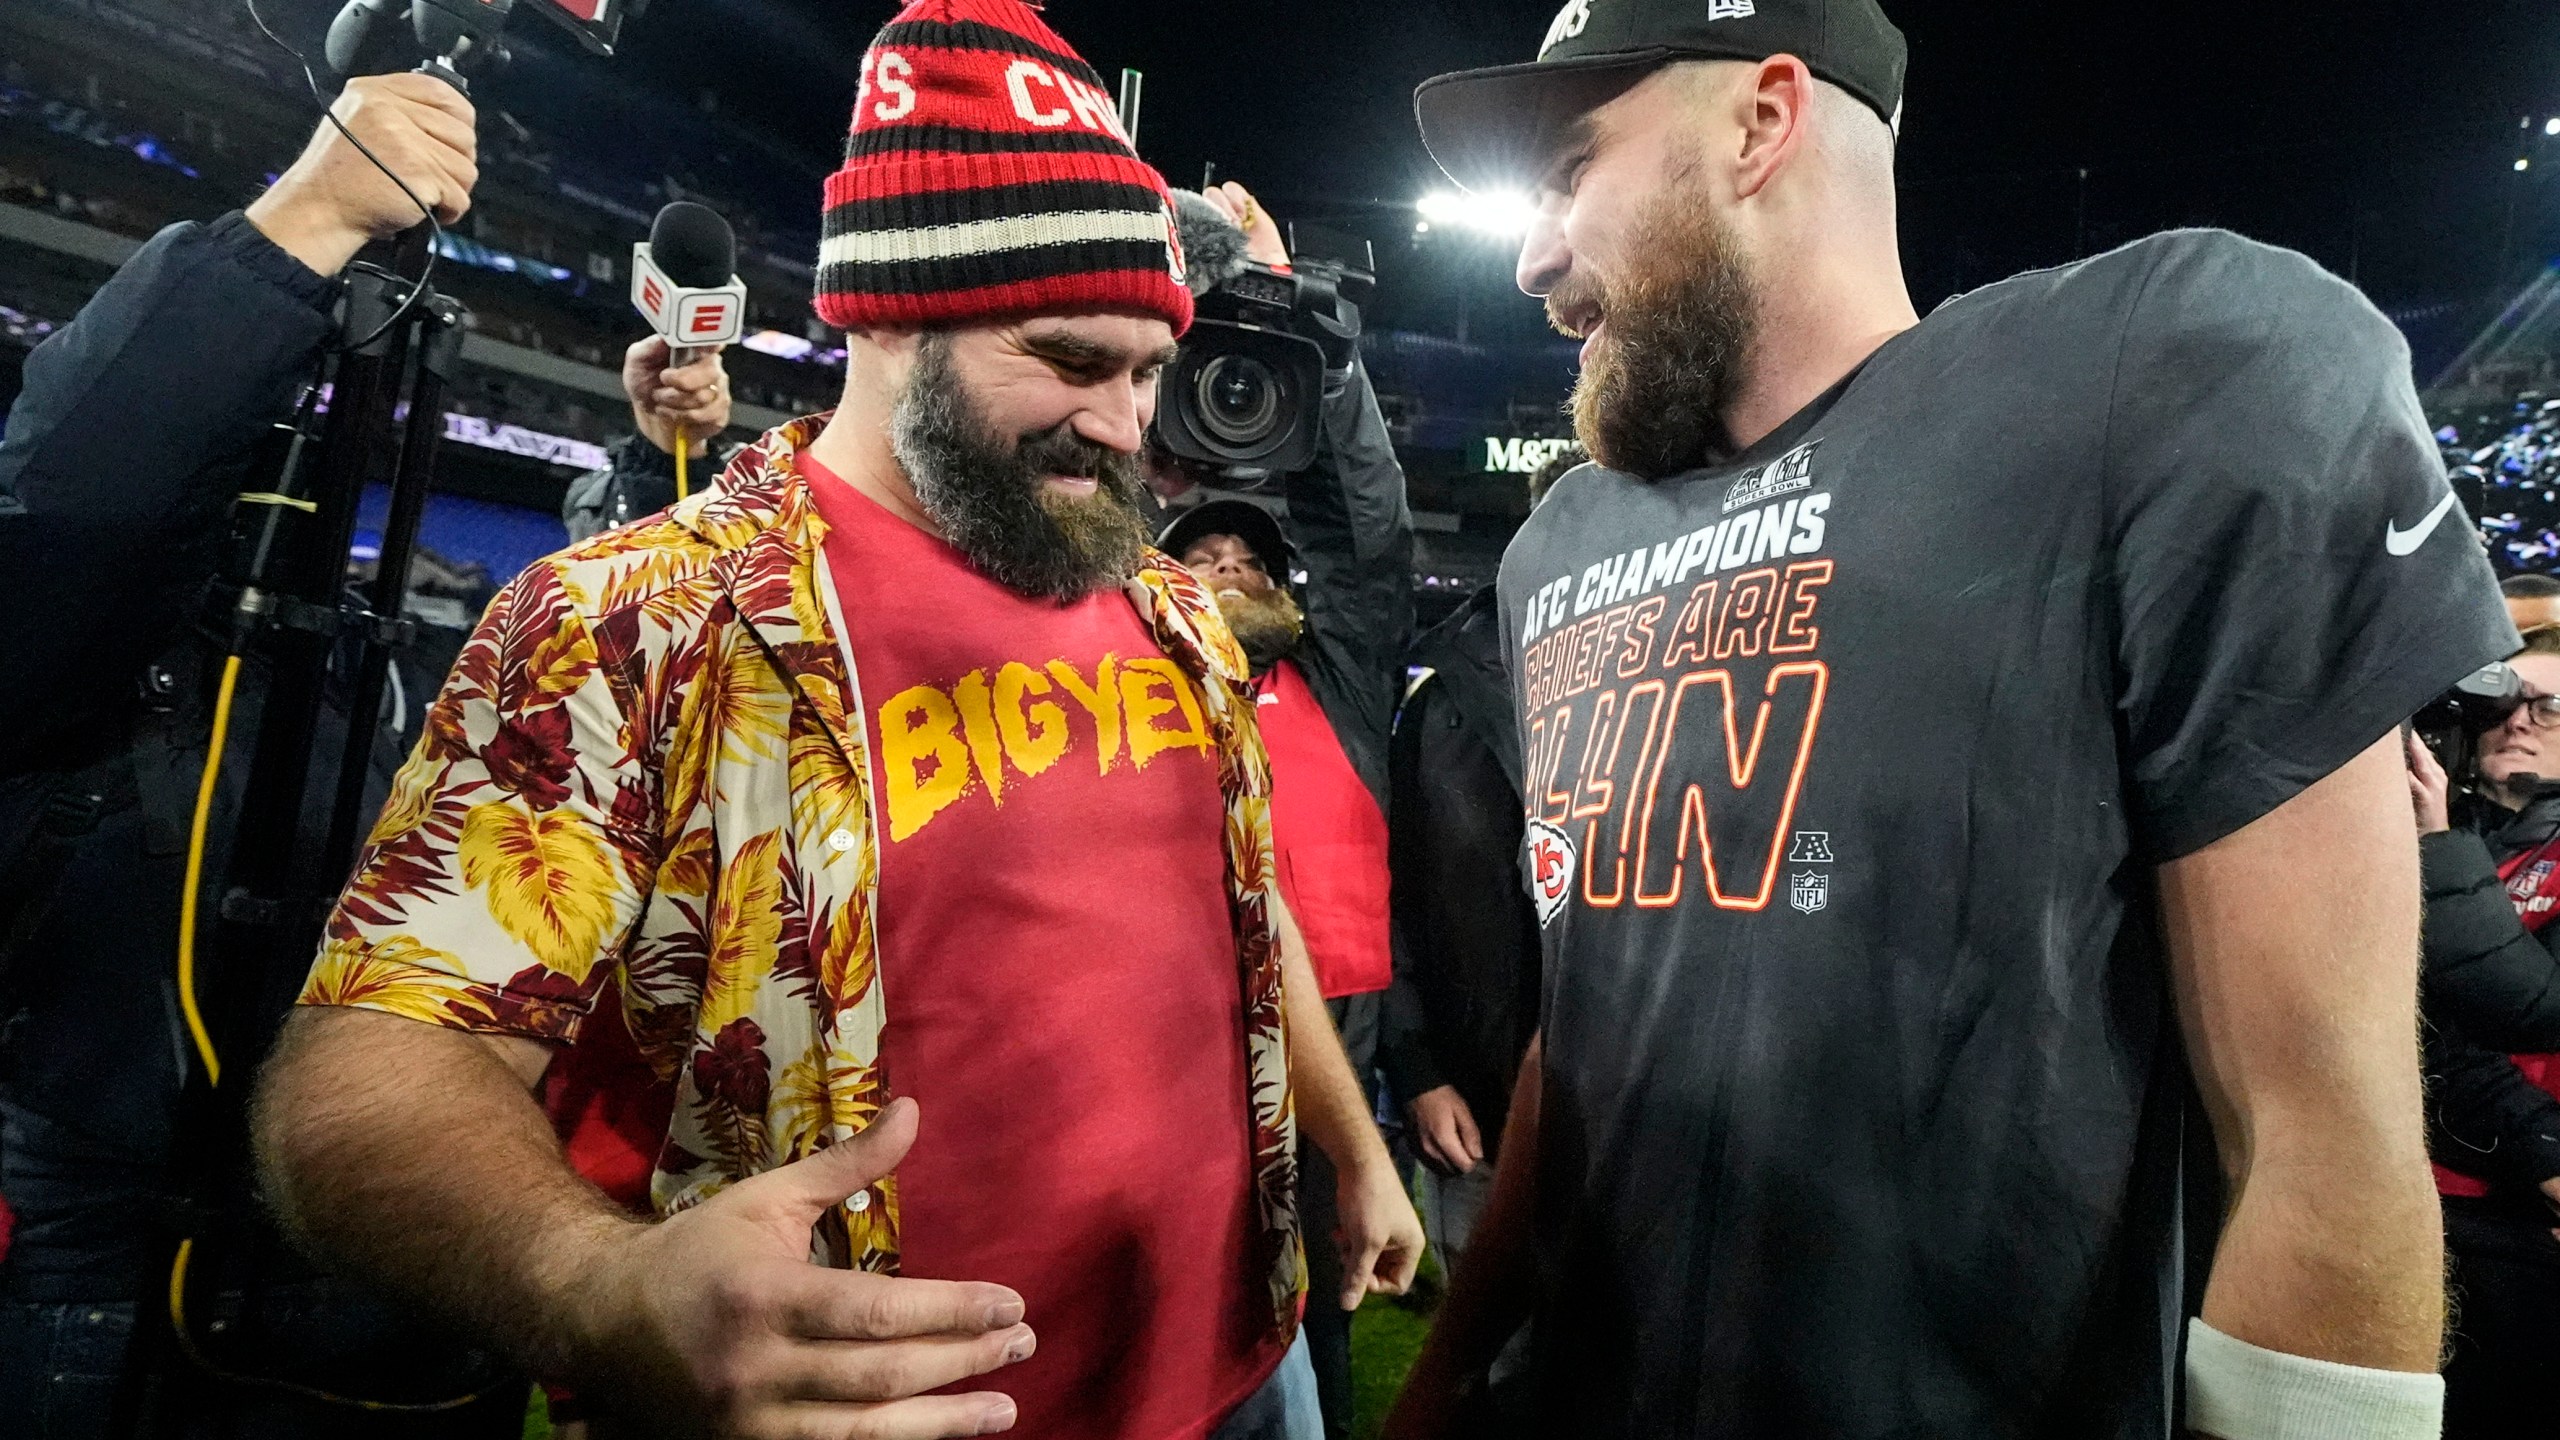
(896, 765)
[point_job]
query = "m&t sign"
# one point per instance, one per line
(1515, 456)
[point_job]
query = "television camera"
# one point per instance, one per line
(2451, 725)
(1244, 399)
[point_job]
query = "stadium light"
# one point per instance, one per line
(1494, 212)
(2551, 126)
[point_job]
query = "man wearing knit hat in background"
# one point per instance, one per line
(894, 775)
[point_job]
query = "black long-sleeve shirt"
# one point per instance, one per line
(122, 458)
(120, 462)
(1465, 998)
(1350, 525)
(2491, 988)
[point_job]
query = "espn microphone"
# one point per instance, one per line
(684, 285)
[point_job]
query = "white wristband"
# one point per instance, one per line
(2237, 1391)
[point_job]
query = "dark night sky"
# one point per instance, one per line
(2381, 140)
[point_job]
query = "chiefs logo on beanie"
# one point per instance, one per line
(988, 175)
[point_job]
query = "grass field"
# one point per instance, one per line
(1385, 1337)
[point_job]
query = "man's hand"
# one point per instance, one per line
(1262, 242)
(2428, 788)
(1489, 1295)
(694, 396)
(714, 1321)
(333, 200)
(1448, 1130)
(1381, 1237)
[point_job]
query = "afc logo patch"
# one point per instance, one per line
(1548, 855)
(1812, 847)
(1809, 891)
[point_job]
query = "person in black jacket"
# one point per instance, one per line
(1465, 1000)
(122, 457)
(1464, 1005)
(2492, 1006)
(1328, 675)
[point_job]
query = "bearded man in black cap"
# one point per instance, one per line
(1326, 677)
(1950, 745)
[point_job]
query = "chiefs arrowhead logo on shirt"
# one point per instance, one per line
(1551, 862)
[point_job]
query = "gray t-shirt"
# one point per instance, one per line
(1849, 765)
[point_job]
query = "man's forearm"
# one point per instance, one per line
(1333, 1111)
(448, 1186)
(2293, 942)
(2338, 1259)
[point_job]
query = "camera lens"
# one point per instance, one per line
(1240, 399)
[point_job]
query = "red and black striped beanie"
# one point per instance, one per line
(988, 175)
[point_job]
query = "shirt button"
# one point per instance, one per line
(860, 1200)
(840, 841)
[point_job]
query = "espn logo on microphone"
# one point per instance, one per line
(686, 317)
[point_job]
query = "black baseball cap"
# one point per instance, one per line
(1486, 127)
(1244, 520)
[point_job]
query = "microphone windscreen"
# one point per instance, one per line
(693, 246)
(1212, 245)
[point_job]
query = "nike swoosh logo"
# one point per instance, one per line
(2406, 542)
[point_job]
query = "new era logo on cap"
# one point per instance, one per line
(1575, 18)
(1569, 24)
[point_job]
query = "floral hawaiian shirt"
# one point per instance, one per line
(647, 772)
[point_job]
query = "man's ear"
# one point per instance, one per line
(896, 347)
(877, 363)
(1774, 105)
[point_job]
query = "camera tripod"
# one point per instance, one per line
(374, 413)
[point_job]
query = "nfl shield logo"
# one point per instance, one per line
(1810, 891)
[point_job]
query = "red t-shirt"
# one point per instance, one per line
(1064, 996)
(1328, 837)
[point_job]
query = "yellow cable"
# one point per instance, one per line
(213, 1068)
(682, 445)
(269, 497)
(196, 1357)
(195, 880)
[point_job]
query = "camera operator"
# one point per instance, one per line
(1327, 676)
(665, 399)
(2491, 979)
(123, 455)
(109, 527)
